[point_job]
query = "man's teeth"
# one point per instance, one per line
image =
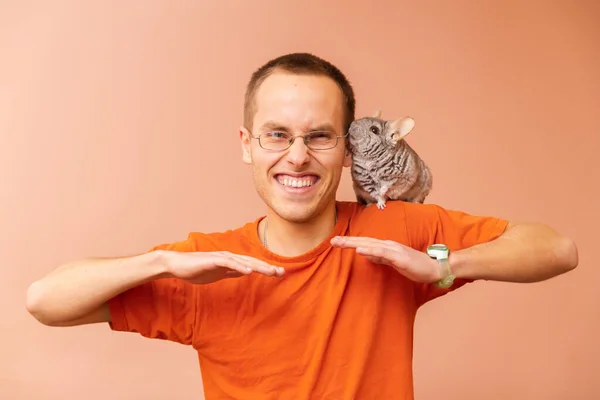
(297, 182)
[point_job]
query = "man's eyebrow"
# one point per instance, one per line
(323, 127)
(273, 126)
(276, 126)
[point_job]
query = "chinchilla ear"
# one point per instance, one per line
(401, 127)
(377, 114)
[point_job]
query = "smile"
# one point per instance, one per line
(297, 181)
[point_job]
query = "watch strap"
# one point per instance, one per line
(447, 276)
(441, 253)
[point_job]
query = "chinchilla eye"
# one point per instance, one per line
(375, 130)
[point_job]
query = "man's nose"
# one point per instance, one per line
(298, 152)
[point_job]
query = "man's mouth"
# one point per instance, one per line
(297, 181)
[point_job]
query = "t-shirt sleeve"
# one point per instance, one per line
(160, 309)
(429, 224)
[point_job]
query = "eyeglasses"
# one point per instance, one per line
(315, 140)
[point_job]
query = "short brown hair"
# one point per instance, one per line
(299, 63)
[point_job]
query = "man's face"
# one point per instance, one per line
(297, 183)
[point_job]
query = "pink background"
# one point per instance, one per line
(119, 121)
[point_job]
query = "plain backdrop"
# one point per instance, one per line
(119, 130)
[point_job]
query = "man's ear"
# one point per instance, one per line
(245, 138)
(347, 158)
(401, 127)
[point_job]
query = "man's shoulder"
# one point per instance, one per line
(394, 210)
(238, 239)
(424, 214)
(399, 221)
(235, 239)
(409, 223)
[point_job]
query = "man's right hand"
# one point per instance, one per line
(208, 267)
(78, 292)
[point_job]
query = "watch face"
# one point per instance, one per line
(438, 251)
(441, 247)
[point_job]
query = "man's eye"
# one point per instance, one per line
(322, 136)
(276, 135)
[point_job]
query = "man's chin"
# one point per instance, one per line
(300, 212)
(294, 215)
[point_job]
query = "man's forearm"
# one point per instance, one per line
(70, 293)
(523, 253)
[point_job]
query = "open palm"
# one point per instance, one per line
(207, 267)
(411, 263)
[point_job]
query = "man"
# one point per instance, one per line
(316, 300)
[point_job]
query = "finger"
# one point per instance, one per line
(233, 274)
(351, 241)
(379, 260)
(228, 262)
(393, 258)
(258, 265)
(356, 240)
(261, 266)
(382, 254)
(359, 241)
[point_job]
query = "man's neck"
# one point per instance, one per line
(291, 239)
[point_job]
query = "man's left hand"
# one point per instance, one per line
(411, 263)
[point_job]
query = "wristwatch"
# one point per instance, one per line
(441, 253)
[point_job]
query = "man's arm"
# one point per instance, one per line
(487, 248)
(77, 293)
(525, 252)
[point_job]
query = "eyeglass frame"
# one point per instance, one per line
(305, 138)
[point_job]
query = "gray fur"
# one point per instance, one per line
(384, 167)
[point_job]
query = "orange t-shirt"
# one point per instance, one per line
(335, 326)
